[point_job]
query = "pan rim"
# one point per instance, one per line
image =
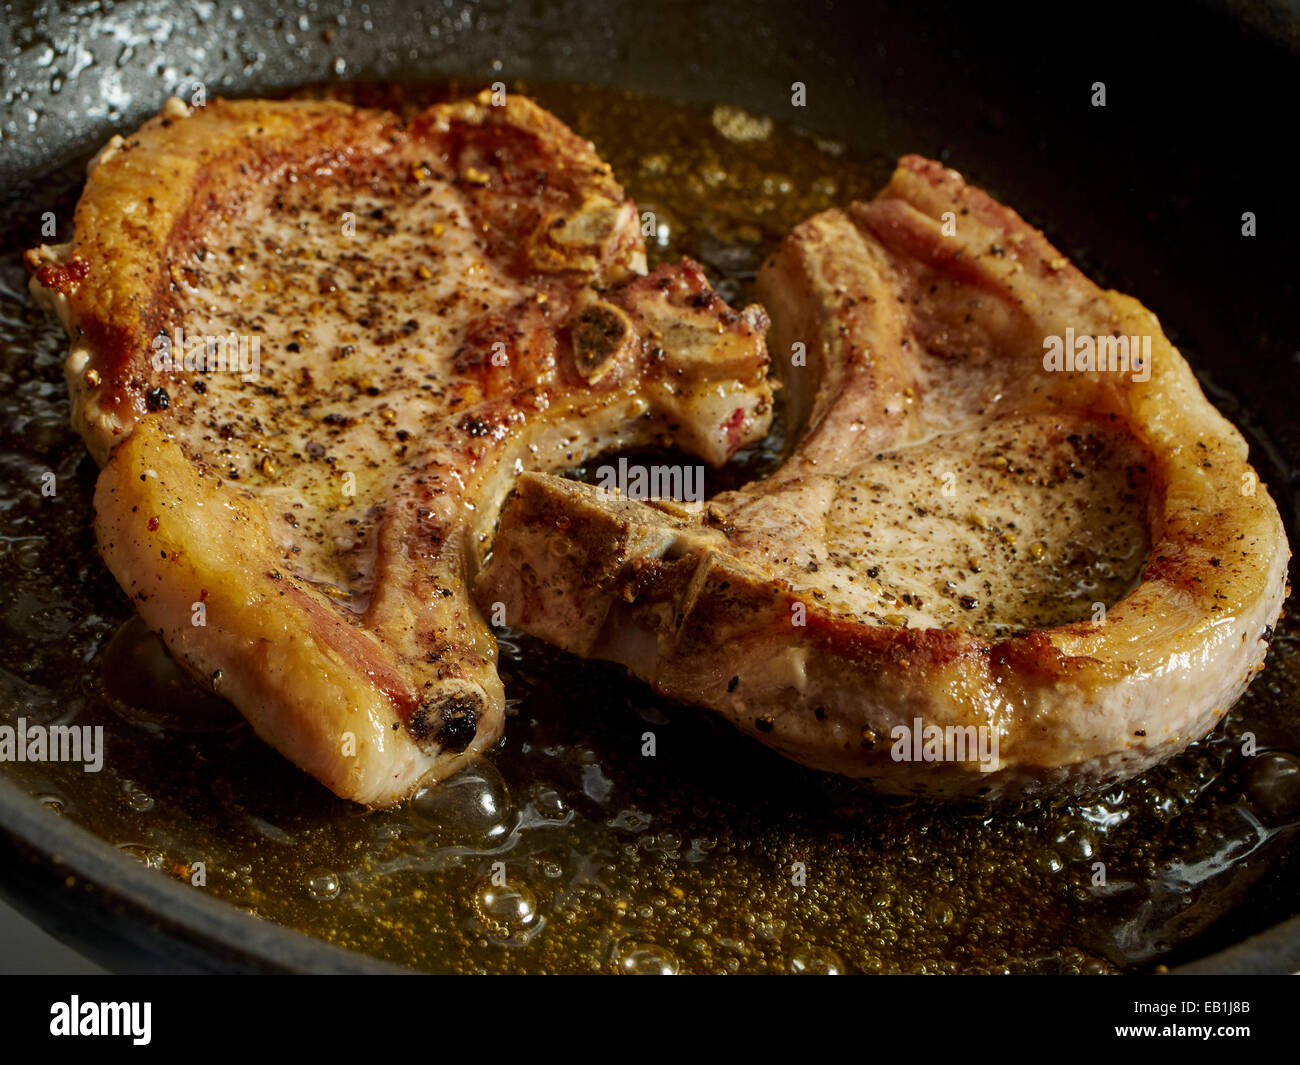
(218, 928)
(222, 929)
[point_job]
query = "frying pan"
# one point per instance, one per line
(1146, 194)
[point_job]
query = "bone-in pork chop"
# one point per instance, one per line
(1009, 554)
(425, 308)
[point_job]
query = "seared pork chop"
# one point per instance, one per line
(434, 305)
(978, 530)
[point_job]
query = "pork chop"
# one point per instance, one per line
(426, 307)
(988, 567)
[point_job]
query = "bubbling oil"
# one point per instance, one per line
(570, 849)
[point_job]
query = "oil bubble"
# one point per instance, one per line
(505, 909)
(53, 803)
(475, 804)
(1048, 861)
(635, 958)
(1274, 785)
(939, 911)
(137, 798)
(323, 885)
(144, 854)
(816, 961)
(548, 802)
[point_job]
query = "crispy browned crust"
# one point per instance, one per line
(1075, 706)
(149, 196)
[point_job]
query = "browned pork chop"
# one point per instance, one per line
(987, 568)
(436, 304)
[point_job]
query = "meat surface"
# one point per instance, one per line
(989, 567)
(426, 308)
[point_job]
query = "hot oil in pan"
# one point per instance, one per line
(572, 848)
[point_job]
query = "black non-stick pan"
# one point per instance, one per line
(1148, 194)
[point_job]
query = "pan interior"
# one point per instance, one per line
(574, 848)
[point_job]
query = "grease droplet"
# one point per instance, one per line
(505, 909)
(1275, 784)
(323, 885)
(53, 803)
(143, 854)
(634, 958)
(816, 961)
